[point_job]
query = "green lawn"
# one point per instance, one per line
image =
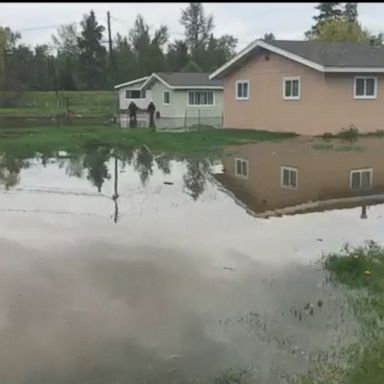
(25, 142)
(360, 271)
(43, 104)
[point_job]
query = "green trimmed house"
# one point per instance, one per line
(181, 99)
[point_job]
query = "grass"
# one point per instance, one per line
(26, 142)
(47, 104)
(360, 271)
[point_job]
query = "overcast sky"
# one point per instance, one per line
(246, 21)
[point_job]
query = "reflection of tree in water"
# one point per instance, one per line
(75, 166)
(10, 168)
(195, 178)
(164, 164)
(95, 161)
(144, 163)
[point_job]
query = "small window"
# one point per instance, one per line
(242, 90)
(200, 98)
(166, 97)
(292, 88)
(133, 94)
(361, 178)
(241, 167)
(289, 177)
(365, 88)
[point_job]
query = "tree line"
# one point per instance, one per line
(81, 61)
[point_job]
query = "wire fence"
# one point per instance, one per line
(189, 121)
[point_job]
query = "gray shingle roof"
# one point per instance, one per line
(335, 54)
(188, 79)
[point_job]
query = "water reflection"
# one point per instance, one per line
(301, 175)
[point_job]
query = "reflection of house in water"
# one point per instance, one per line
(300, 175)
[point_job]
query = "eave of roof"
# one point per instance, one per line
(159, 78)
(294, 57)
(131, 82)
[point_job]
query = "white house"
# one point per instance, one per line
(181, 99)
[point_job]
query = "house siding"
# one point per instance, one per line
(178, 106)
(326, 104)
(124, 102)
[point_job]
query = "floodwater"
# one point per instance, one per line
(145, 268)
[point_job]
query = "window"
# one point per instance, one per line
(241, 167)
(361, 178)
(291, 88)
(365, 87)
(289, 177)
(133, 94)
(166, 97)
(242, 90)
(200, 98)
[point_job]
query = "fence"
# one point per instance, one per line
(191, 120)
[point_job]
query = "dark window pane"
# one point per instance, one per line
(238, 167)
(370, 87)
(288, 90)
(359, 87)
(286, 177)
(295, 88)
(244, 170)
(366, 179)
(239, 89)
(355, 180)
(191, 98)
(210, 98)
(245, 90)
(293, 182)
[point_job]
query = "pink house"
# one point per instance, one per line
(307, 87)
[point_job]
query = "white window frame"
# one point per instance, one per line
(202, 105)
(365, 97)
(249, 89)
(360, 170)
(290, 169)
(242, 159)
(134, 89)
(169, 98)
(292, 78)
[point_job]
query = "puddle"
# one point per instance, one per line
(145, 268)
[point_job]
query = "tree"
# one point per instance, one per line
(92, 57)
(327, 12)
(66, 41)
(148, 50)
(218, 51)
(350, 12)
(346, 31)
(126, 66)
(198, 29)
(177, 56)
(191, 66)
(269, 37)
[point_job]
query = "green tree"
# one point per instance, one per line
(192, 66)
(327, 12)
(92, 56)
(218, 51)
(350, 12)
(148, 50)
(346, 31)
(198, 29)
(126, 66)
(177, 55)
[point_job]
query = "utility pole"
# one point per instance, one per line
(109, 35)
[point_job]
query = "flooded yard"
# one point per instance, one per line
(143, 267)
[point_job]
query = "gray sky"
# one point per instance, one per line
(246, 21)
